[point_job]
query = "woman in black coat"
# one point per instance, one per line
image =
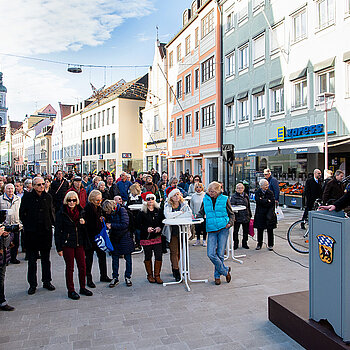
(93, 214)
(242, 217)
(265, 216)
(71, 239)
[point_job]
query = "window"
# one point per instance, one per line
(98, 119)
(179, 89)
(188, 84)
(325, 13)
(347, 79)
(83, 124)
(207, 24)
(90, 147)
(99, 145)
(171, 59)
(83, 150)
(230, 64)
(107, 117)
(86, 147)
(347, 7)
(326, 82)
(230, 21)
(243, 56)
(90, 122)
(178, 52)
(299, 30)
(156, 123)
(208, 69)
(196, 119)
(86, 123)
(171, 129)
(140, 114)
(94, 121)
(103, 144)
(113, 143)
(259, 48)
(113, 108)
(171, 92)
(259, 105)
(95, 145)
(300, 93)
(187, 45)
(108, 143)
(243, 113)
(178, 126)
(243, 13)
(196, 37)
(257, 4)
(194, 8)
(230, 114)
(277, 100)
(208, 117)
(196, 78)
(103, 118)
(277, 38)
(188, 124)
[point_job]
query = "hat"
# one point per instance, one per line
(146, 195)
(77, 178)
(171, 191)
(267, 171)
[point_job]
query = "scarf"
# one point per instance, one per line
(73, 214)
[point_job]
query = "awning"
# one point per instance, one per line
(258, 89)
(242, 95)
(346, 56)
(229, 100)
(276, 83)
(324, 64)
(298, 75)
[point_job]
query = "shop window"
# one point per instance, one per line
(277, 100)
(179, 89)
(188, 45)
(299, 26)
(230, 64)
(325, 13)
(178, 126)
(230, 114)
(243, 57)
(188, 84)
(207, 23)
(208, 69)
(259, 105)
(299, 93)
(243, 111)
(208, 116)
(277, 38)
(188, 123)
(259, 48)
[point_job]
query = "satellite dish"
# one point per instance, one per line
(74, 69)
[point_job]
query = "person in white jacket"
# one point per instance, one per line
(195, 204)
(175, 207)
(10, 202)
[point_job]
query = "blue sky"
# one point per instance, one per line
(98, 32)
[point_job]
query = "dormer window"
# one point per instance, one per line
(186, 16)
(194, 7)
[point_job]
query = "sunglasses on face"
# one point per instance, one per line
(41, 184)
(71, 200)
(150, 199)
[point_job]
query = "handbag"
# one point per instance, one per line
(102, 239)
(279, 213)
(251, 228)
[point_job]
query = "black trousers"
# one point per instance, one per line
(156, 248)
(200, 229)
(14, 249)
(2, 284)
(236, 227)
(32, 255)
(269, 236)
(102, 263)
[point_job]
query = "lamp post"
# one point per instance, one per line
(327, 99)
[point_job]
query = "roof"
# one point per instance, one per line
(48, 109)
(65, 109)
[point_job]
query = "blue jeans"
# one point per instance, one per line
(115, 265)
(216, 244)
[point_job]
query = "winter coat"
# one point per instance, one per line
(12, 217)
(265, 216)
(58, 192)
(37, 216)
(274, 187)
(119, 234)
(151, 187)
(146, 219)
(123, 187)
(5, 244)
(82, 195)
(93, 222)
(333, 191)
(241, 216)
(134, 199)
(313, 190)
(113, 190)
(67, 233)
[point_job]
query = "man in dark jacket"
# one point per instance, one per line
(313, 191)
(111, 187)
(273, 184)
(37, 215)
(58, 190)
(334, 188)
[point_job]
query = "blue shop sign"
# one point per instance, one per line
(284, 134)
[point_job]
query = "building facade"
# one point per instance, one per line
(3, 107)
(280, 59)
(154, 115)
(194, 93)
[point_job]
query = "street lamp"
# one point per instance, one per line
(326, 101)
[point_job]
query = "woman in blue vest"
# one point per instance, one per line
(219, 218)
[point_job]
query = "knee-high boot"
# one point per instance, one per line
(157, 268)
(148, 266)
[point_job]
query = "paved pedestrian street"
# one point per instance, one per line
(149, 316)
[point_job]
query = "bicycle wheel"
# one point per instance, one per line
(298, 236)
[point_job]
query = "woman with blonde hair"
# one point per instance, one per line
(93, 215)
(71, 241)
(216, 208)
(175, 206)
(135, 194)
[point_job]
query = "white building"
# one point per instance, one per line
(3, 108)
(154, 115)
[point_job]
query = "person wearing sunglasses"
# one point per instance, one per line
(149, 221)
(37, 216)
(71, 240)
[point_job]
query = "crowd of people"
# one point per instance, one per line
(72, 210)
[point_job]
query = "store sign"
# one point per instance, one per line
(284, 134)
(126, 155)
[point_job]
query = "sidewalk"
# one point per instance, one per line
(148, 316)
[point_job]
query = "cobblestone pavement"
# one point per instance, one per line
(150, 316)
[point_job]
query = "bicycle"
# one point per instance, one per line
(298, 233)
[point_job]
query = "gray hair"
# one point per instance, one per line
(27, 182)
(174, 178)
(35, 180)
(262, 182)
(100, 183)
(9, 185)
(239, 184)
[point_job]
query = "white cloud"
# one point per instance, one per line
(45, 26)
